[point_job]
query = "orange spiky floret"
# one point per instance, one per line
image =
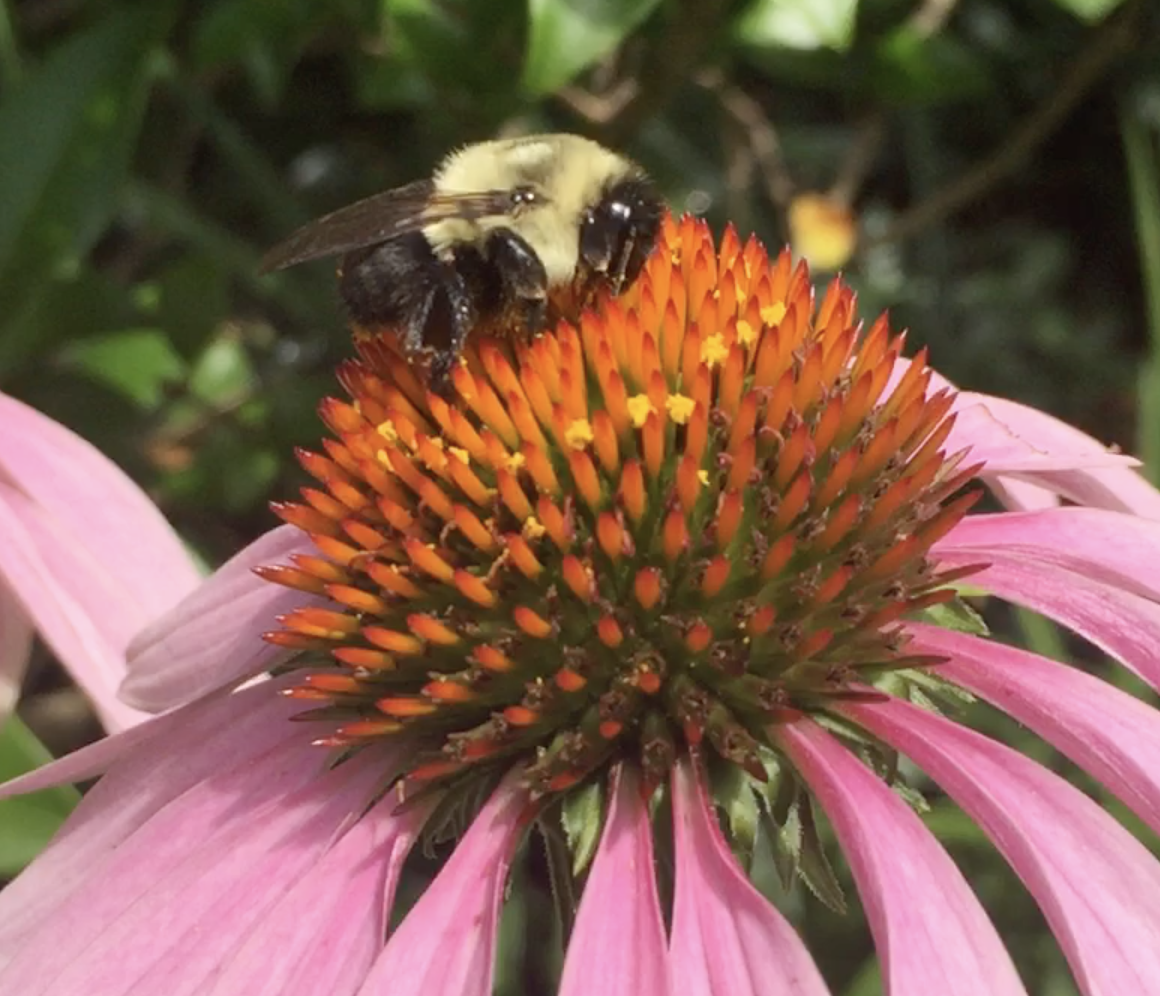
(609, 537)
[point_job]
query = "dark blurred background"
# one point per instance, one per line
(989, 170)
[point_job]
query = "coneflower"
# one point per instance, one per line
(704, 552)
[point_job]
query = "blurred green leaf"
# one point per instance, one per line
(799, 24)
(223, 375)
(138, 363)
(27, 822)
(66, 140)
(265, 39)
(911, 68)
(1090, 10)
(565, 37)
(191, 299)
(90, 304)
(447, 55)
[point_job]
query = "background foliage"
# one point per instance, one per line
(987, 169)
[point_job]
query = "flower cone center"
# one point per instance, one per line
(696, 515)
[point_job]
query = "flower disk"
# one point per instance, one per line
(695, 516)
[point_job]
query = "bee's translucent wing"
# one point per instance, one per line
(379, 218)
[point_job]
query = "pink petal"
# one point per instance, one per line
(75, 602)
(446, 945)
(618, 945)
(727, 939)
(1111, 547)
(156, 762)
(325, 934)
(1097, 885)
(213, 638)
(1110, 734)
(15, 646)
(171, 902)
(91, 500)
(1123, 624)
(931, 934)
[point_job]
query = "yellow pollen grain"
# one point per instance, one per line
(579, 434)
(679, 407)
(714, 350)
(703, 476)
(639, 409)
(460, 454)
(746, 334)
(388, 431)
(772, 314)
(533, 528)
(514, 462)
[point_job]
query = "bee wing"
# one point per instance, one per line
(379, 218)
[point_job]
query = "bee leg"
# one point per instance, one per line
(443, 326)
(522, 276)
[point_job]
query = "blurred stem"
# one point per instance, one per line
(1111, 41)
(670, 62)
(1041, 636)
(764, 144)
(859, 159)
(11, 62)
(1143, 162)
(173, 216)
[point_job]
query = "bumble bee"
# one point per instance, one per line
(511, 234)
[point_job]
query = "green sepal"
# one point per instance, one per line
(735, 793)
(940, 694)
(911, 796)
(458, 807)
(955, 615)
(798, 851)
(814, 867)
(582, 817)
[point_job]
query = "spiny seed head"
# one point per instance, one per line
(695, 515)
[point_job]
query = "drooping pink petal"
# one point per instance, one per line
(74, 602)
(727, 939)
(1118, 488)
(15, 646)
(1110, 734)
(446, 944)
(1123, 624)
(1005, 451)
(326, 932)
(1022, 496)
(90, 499)
(148, 767)
(617, 947)
(171, 902)
(1112, 547)
(213, 638)
(930, 932)
(1098, 887)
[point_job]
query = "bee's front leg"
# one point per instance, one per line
(522, 277)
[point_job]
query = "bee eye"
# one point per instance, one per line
(524, 197)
